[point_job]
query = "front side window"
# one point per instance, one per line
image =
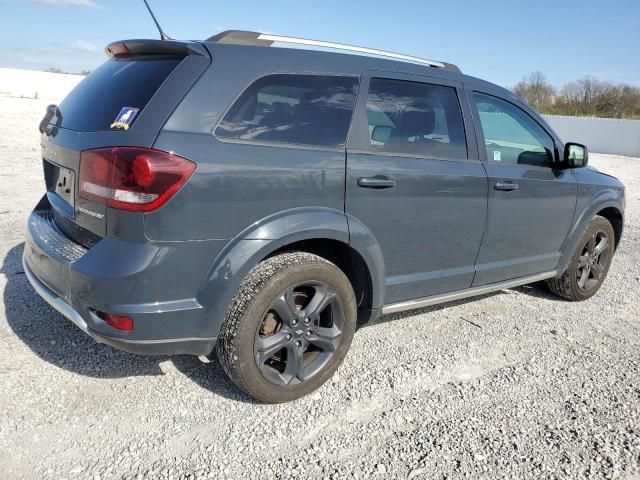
(511, 136)
(285, 108)
(415, 118)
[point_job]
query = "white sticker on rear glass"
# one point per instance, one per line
(125, 118)
(497, 157)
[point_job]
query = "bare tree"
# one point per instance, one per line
(536, 90)
(585, 97)
(589, 96)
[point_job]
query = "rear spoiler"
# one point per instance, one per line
(131, 48)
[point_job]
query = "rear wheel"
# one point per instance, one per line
(589, 265)
(288, 328)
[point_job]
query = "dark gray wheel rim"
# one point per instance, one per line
(593, 261)
(299, 333)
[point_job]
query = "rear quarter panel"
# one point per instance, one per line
(238, 183)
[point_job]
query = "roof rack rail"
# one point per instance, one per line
(265, 39)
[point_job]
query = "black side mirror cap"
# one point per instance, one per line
(576, 155)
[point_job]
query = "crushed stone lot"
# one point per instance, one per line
(515, 384)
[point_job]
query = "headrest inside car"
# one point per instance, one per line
(417, 120)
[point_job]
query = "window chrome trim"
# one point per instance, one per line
(296, 146)
(361, 151)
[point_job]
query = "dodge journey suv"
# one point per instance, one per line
(260, 202)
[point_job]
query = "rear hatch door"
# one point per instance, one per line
(123, 102)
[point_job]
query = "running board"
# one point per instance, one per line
(466, 293)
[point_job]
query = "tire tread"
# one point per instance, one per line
(227, 345)
(562, 285)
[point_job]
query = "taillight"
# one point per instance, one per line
(132, 178)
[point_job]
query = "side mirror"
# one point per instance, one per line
(381, 133)
(576, 155)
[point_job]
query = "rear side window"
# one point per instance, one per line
(96, 102)
(415, 119)
(286, 108)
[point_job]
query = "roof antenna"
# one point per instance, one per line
(163, 36)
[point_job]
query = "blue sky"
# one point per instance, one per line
(499, 41)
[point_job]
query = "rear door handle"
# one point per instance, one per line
(506, 186)
(378, 182)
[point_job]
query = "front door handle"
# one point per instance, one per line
(378, 182)
(506, 186)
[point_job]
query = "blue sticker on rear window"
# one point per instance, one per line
(125, 118)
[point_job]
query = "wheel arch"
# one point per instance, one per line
(323, 231)
(614, 216)
(607, 204)
(347, 259)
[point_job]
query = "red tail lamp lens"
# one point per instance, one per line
(132, 178)
(141, 171)
(119, 322)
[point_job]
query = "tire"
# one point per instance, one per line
(288, 328)
(574, 284)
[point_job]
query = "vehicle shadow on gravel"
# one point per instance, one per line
(538, 290)
(57, 341)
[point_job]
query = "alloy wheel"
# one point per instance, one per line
(593, 261)
(299, 333)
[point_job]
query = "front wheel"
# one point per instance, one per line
(589, 265)
(288, 328)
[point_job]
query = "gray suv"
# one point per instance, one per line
(261, 202)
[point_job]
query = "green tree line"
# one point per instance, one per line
(585, 97)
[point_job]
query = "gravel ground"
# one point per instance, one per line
(516, 384)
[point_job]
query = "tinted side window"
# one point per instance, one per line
(511, 136)
(416, 119)
(301, 109)
(94, 104)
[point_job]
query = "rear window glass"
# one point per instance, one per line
(301, 109)
(96, 102)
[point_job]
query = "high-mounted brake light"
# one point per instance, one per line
(118, 50)
(132, 178)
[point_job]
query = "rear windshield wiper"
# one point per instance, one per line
(52, 110)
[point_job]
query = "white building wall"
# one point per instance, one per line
(600, 135)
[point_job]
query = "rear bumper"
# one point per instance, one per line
(147, 282)
(195, 346)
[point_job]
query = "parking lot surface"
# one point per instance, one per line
(515, 384)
